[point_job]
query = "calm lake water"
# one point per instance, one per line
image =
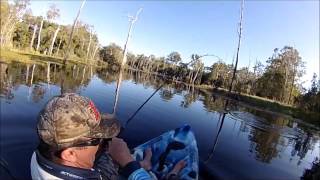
(252, 144)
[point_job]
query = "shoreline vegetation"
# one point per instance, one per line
(260, 103)
(7, 56)
(256, 102)
(273, 86)
(270, 106)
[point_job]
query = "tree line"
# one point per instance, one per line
(278, 80)
(41, 34)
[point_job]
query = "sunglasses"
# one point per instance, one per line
(90, 142)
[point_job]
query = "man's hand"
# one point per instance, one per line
(146, 162)
(120, 152)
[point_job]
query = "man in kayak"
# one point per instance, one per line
(76, 142)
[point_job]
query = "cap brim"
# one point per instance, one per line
(109, 127)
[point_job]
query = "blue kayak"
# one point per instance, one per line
(168, 149)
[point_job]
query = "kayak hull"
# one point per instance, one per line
(168, 149)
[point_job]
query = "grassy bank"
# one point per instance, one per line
(260, 103)
(8, 56)
(268, 105)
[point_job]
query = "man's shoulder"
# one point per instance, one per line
(41, 168)
(37, 172)
(107, 168)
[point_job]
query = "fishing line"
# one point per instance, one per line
(136, 112)
(217, 137)
(5, 167)
(230, 87)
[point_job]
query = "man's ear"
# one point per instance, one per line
(69, 155)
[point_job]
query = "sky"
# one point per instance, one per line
(203, 27)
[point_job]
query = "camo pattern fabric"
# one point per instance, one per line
(69, 117)
(107, 168)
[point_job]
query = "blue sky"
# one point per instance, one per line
(203, 27)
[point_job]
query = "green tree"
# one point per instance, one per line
(314, 85)
(311, 100)
(197, 67)
(21, 36)
(112, 54)
(10, 16)
(284, 69)
(166, 94)
(53, 13)
(174, 58)
(219, 70)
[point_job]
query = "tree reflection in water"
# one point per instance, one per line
(6, 83)
(270, 136)
(166, 93)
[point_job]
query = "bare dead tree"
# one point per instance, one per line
(73, 69)
(95, 51)
(238, 48)
(66, 53)
(54, 72)
(39, 35)
(223, 114)
(27, 75)
(48, 75)
(33, 67)
(58, 48)
(82, 46)
(54, 39)
(78, 69)
(31, 81)
(125, 51)
(83, 73)
(48, 72)
(198, 68)
(35, 27)
(90, 39)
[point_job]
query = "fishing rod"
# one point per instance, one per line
(217, 137)
(136, 112)
(230, 87)
(141, 106)
(4, 165)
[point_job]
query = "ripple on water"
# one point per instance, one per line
(263, 124)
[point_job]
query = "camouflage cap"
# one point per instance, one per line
(68, 118)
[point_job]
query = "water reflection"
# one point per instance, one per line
(272, 146)
(269, 138)
(6, 83)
